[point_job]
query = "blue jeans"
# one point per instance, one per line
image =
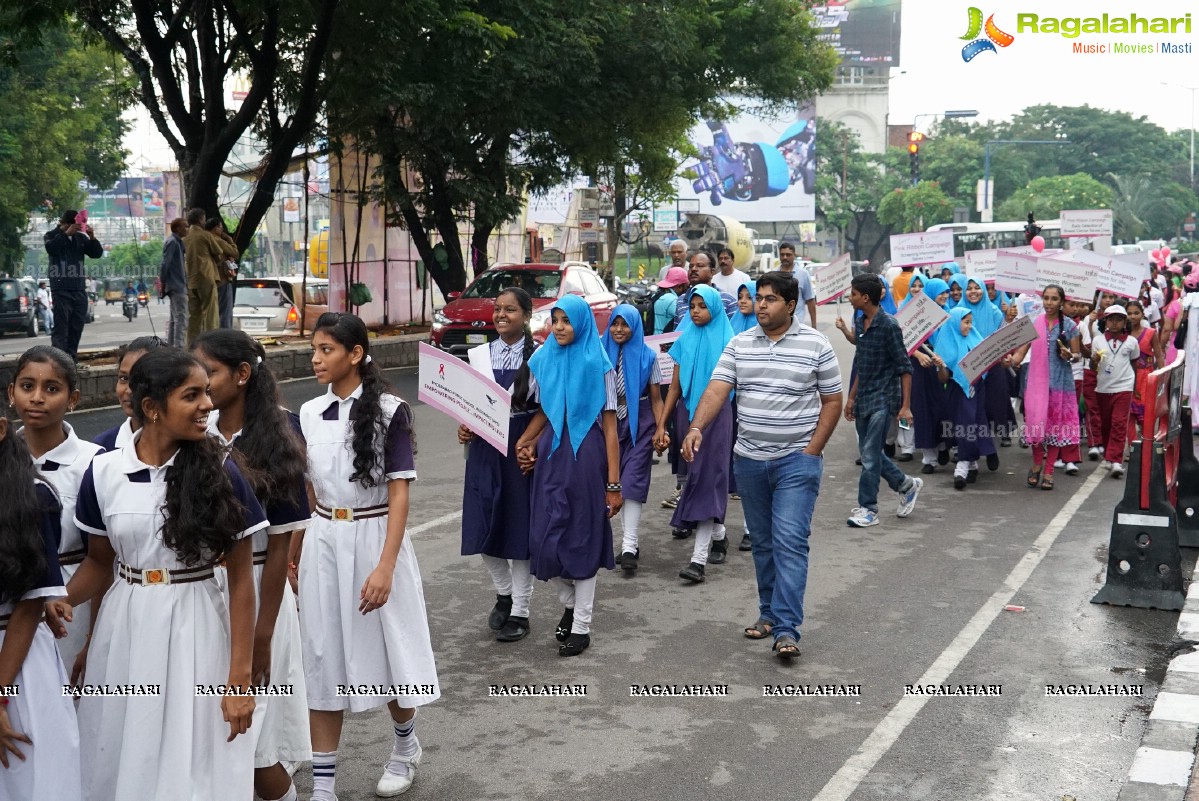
(778, 498)
(872, 430)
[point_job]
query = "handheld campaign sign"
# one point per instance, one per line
(918, 319)
(935, 247)
(660, 343)
(832, 280)
(995, 347)
(453, 387)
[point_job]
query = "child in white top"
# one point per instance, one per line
(1112, 356)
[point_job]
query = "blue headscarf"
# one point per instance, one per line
(934, 287)
(575, 372)
(1001, 299)
(743, 322)
(987, 317)
(923, 284)
(953, 268)
(699, 347)
(887, 302)
(638, 363)
(959, 280)
(951, 346)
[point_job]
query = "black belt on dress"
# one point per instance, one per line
(346, 514)
(161, 575)
(75, 557)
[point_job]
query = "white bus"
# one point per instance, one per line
(991, 236)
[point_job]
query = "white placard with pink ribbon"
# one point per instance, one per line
(919, 318)
(981, 264)
(832, 280)
(660, 344)
(1016, 271)
(1086, 222)
(453, 387)
(1125, 274)
(930, 247)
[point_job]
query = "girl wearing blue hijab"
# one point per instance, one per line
(967, 403)
(576, 466)
(638, 405)
(705, 496)
(928, 396)
(915, 287)
(987, 320)
(935, 288)
(746, 316)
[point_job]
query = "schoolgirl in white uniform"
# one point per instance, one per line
(249, 420)
(44, 389)
(362, 608)
(119, 436)
(39, 739)
(163, 511)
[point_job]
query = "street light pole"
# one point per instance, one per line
(987, 162)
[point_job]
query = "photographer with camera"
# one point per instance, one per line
(67, 245)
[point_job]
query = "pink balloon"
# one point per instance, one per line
(1165, 253)
(1155, 254)
(1038, 243)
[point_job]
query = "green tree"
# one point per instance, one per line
(1046, 197)
(915, 208)
(61, 124)
(134, 259)
(513, 98)
(849, 186)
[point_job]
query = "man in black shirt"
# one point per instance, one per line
(67, 245)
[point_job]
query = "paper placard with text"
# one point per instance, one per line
(1086, 222)
(919, 319)
(930, 247)
(982, 264)
(1075, 271)
(1125, 274)
(832, 280)
(660, 343)
(995, 347)
(1016, 270)
(453, 387)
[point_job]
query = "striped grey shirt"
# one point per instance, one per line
(778, 386)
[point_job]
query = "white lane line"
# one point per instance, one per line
(435, 522)
(846, 780)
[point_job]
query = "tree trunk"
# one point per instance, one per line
(479, 240)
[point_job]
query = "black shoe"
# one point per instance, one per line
(517, 628)
(681, 533)
(1005, 442)
(574, 645)
(971, 476)
(959, 483)
(943, 457)
(889, 450)
(562, 630)
(720, 549)
(746, 544)
(499, 614)
(928, 468)
(904, 457)
(858, 461)
(628, 561)
(993, 462)
(693, 573)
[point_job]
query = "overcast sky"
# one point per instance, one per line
(1034, 69)
(1040, 68)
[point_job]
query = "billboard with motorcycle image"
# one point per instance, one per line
(755, 168)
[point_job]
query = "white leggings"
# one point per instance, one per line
(630, 518)
(579, 594)
(511, 577)
(705, 533)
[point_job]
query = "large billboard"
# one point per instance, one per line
(755, 168)
(128, 197)
(861, 31)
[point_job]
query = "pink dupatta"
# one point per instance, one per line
(1036, 391)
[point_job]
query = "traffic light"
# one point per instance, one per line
(915, 139)
(1031, 229)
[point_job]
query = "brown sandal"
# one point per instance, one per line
(1034, 478)
(760, 630)
(1047, 482)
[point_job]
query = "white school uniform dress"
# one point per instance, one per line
(280, 726)
(354, 661)
(116, 437)
(63, 469)
(50, 771)
(169, 746)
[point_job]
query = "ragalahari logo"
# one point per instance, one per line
(993, 37)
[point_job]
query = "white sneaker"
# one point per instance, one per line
(1095, 454)
(907, 500)
(862, 518)
(392, 784)
(1058, 464)
(1071, 469)
(1117, 470)
(1106, 465)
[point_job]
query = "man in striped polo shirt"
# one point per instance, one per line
(788, 386)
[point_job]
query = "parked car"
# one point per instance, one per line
(266, 306)
(17, 309)
(465, 321)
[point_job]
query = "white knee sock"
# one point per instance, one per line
(584, 598)
(630, 517)
(522, 587)
(404, 746)
(324, 772)
(501, 574)
(719, 532)
(703, 541)
(960, 469)
(930, 455)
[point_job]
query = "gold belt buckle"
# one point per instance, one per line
(156, 576)
(344, 514)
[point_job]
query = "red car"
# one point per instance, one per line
(465, 321)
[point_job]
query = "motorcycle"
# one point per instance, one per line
(638, 294)
(129, 307)
(143, 299)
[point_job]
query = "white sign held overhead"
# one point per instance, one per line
(1124, 275)
(832, 280)
(1016, 270)
(982, 264)
(930, 247)
(919, 319)
(1088, 222)
(1075, 271)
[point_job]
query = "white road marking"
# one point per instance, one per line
(846, 780)
(435, 522)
